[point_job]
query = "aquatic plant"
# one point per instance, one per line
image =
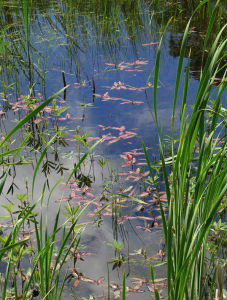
(47, 256)
(196, 181)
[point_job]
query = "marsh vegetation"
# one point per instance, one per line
(113, 149)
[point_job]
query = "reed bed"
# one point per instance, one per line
(196, 185)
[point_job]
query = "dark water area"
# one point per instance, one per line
(105, 51)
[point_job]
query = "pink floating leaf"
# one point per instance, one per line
(110, 64)
(47, 109)
(100, 280)
(97, 95)
(67, 116)
(64, 200)
(134, 290)
(113, 141)
(149, 44)
(118, 85)
(37, 121)
(151, 288)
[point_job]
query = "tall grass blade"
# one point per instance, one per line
(156, 73)
(124, 286)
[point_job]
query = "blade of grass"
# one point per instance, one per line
(124, 286)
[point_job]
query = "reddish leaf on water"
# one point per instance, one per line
(100, 280)
(110, 64)
(73, 250)
(154, 224)
(113, 141)
(77, 85)
(114, 285)
(139, 284)
(144, 218)
(140, 62)
(27, 231)
(118, 85)
(128, 189)
(132, 192)
(143, 228)
(134, 290)
(122, 128)
(37, 121)
(137, 102)
(63, 200)
(126, 66)
(219, 80)
(144, 194)
(123, 174)
(120, 221)
(151, 43)
(162, 193)
(104, 127)
(153, 215)
(128, 135)
(137, 175)
(129, 217)
(85, 279)
(97, 95)
(76, 283)
(150, 287)
(47, 109)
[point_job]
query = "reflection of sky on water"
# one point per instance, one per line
(132, 115)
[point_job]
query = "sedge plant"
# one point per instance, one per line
(197, 183)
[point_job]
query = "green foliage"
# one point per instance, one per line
(195, 192)
(119, 257)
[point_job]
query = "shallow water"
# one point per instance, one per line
(107, 51)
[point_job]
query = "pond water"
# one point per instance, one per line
(105, 51)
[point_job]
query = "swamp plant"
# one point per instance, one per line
(196, 185)
(47, 256)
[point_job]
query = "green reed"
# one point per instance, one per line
(197, 184)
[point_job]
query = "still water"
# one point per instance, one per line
(105, 51)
